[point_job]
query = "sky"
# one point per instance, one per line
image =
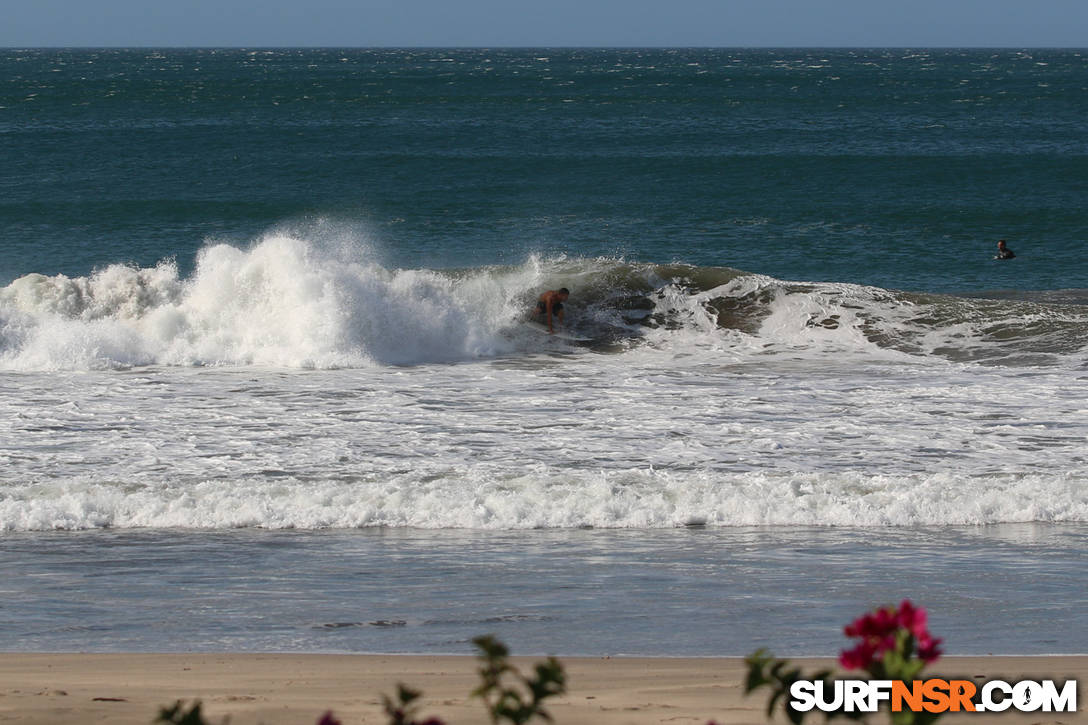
(544, 23)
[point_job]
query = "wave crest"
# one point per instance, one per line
(288, 302)
(538, 497)
(281, 303)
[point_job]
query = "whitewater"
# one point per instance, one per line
(265, 382)
(296, 384)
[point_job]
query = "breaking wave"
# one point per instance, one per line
(286, 302)
(542, 498)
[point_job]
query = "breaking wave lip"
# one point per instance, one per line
(543, 499)
(282, 303)
(290, 302)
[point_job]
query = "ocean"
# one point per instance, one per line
(266, 382)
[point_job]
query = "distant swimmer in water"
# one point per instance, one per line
(1003, 252)
(550, 305)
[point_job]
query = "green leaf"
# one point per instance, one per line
(521, 702)
(177, 715)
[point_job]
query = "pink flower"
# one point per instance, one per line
(928, 649)
(864, 626)
(860, 657)
(878, 624)
(856, 659)
(886, 622)
(911, 618)
(879, 632)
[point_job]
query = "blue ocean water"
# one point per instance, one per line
(686, 591)
(895, 168)
(262, 340)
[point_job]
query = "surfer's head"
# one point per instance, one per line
(564, 292)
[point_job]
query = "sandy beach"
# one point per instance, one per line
(278, 689)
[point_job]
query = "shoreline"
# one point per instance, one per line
(283, 689)
(520, 657)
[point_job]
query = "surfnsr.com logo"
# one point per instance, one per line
(933, 695)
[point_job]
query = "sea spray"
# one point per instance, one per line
(293, 301)
(282, 302)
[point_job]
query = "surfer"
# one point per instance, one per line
(1003, 252)
(550, 305)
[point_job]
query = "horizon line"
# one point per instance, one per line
(543, 47)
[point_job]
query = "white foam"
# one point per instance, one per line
(824, 405)
(550, 498)
(284, 302)
(653, 437)
(832, 320)
(310, 300)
